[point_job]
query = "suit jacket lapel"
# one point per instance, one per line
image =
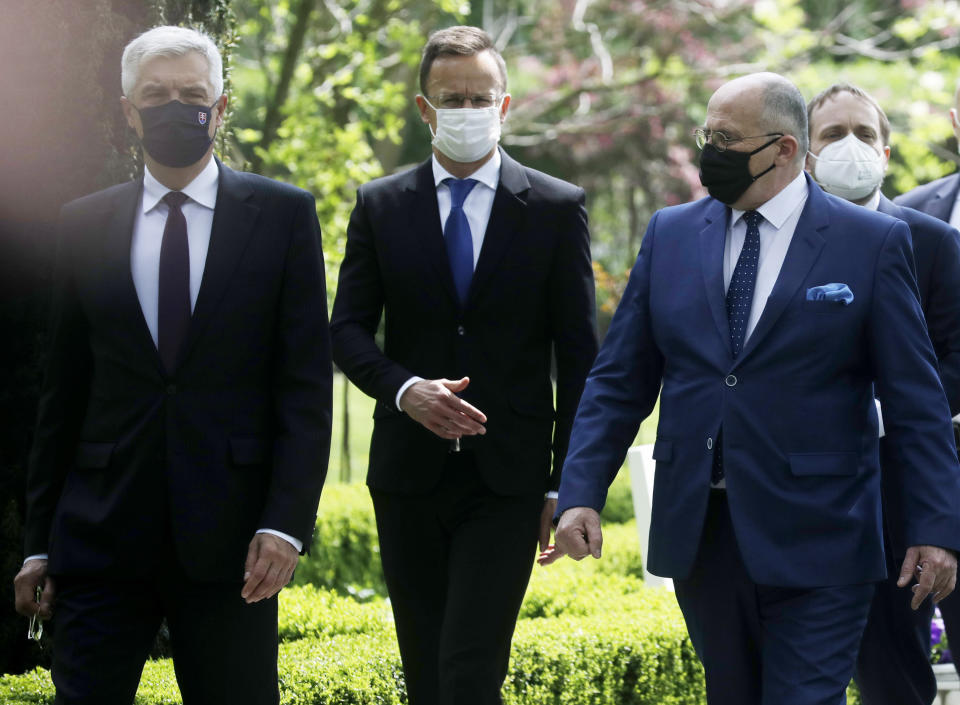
(712, 240)
(234, 218)
(507, 218)
(804, 249)
(120, 219)
(941, 205)
(425, 224)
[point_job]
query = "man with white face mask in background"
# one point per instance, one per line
(481, 268)
(849, 149)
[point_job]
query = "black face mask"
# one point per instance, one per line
(727, 174)
(175, 134)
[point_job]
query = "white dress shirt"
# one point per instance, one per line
(780, 216)
(476, 206)
(145, 254)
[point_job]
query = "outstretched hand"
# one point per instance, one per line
(434, 404)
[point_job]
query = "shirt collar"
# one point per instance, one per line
(778, 209)
(488, 174)
(202, 190)
(874, 201)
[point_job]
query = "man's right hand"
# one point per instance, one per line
(578, 534)
(435, 404)
(31, 575)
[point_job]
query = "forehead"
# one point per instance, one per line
(847, 109)
(191, 69)
(478, 73)
(735, 110)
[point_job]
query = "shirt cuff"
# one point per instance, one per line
(552, 495)
(35, 557)
(297, 544)
(406, 385)
(881, 433)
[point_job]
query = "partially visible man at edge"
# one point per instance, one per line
(849, 149)
(184, 420)
(941, 200)
(763, 317)
(481, 268)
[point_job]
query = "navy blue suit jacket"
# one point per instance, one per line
(796, 406)
(935, 199)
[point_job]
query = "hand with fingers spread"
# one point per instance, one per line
(548, 551)
(434, 404)
(269, 567)
(578, 534)
(32, 575)
(935, 569)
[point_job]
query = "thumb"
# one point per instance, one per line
(909, 565)
(252, 555)
(457, 385)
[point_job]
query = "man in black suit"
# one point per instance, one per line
(941, 199)
(481, 268)
(849, 138)
(184, 422)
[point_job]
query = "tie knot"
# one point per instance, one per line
(752, 219)
(175, 199)
(459, 190)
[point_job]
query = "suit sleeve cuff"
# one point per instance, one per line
(35, 557)
(296, 543)
(552, 495)
(404, 387)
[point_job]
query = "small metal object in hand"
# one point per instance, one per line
(35, 629)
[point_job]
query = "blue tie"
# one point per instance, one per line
(456, 231)
(739, 301)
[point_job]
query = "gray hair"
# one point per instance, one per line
(169, 41)
(784, 110)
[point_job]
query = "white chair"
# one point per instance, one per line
(642, 469)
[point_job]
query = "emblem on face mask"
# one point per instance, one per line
(202, 117)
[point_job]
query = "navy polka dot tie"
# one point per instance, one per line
(740, 292)
(739, 301)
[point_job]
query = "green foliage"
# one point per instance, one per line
(310, 612)
(344, 554)
(619, 506)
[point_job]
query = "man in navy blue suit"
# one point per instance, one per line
(763, 317)
(849, 138)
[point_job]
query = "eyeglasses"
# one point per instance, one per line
(720, 141)
(454, 100)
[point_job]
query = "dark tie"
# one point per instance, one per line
(739, 301)
(456, 232)
(173, 308)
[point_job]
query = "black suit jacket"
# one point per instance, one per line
(935, 199)
(129, 460)
(532, 293)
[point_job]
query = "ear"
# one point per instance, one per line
(955, 121)
(425, 110)
(787, 149)
(221, 107)
(131, 114)
(886, 157)
(504, 106)
(809, 163)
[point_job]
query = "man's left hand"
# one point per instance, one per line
(546, 527)
(270, 564)
(935, 569)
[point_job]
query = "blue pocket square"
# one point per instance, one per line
(831, 292)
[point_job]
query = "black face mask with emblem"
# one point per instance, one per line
(726, 175)
(176, 134)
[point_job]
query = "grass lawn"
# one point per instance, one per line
(361, 424)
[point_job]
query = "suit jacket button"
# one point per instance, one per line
(709, 443)
(730, 381)
(171, 389)
(461, 330)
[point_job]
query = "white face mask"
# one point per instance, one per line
(466, 134)
(848, 168)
